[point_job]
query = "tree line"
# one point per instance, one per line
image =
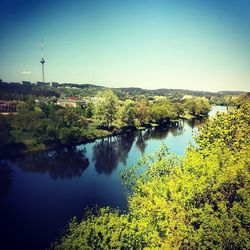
(111, 111)
(39, 124)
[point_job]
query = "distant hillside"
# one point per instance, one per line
(80, 86)
(230, 92)
(15, 90)
(173, 92)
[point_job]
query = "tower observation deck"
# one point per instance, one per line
(42, 62)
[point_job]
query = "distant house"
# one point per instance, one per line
(7, 107)
(71, 102)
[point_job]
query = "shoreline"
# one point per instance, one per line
(17, 150)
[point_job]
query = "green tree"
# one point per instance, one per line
(46, 132)
(65, 127)
(23, 107)
(178, 108)
(69, 135)
(106, 108)
(142, 112)
(6, 137)
(197, 106)
(127, 113)
(162, 111)
(90, 110)
(49, 109)
(25, 121)
(69, 118)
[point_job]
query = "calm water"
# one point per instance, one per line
(41, 192)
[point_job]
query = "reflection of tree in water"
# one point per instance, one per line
(110, 151)
(192, 123)
(5, 178)
(141, 142)
(177, 131)
(126, 141)
(158, 133)
(61, 163)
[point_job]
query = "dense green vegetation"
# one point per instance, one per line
(200, 201)
(39, 124)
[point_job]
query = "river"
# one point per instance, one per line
(41, 192)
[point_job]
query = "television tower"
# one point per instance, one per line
(42, 62)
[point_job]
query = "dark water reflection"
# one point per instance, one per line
(108, 152)
(161, 133)
(60, 163)
(5, 178)
(141, 142)
(192, 123)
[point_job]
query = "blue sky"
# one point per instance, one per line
(200, 45)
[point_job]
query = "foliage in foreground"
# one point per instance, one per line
(200, 201)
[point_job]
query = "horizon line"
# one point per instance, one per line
(97, 85)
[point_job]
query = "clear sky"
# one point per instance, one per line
(188, 44)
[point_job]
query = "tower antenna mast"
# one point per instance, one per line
(42, 62)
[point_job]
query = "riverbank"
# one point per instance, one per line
(26, 143)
